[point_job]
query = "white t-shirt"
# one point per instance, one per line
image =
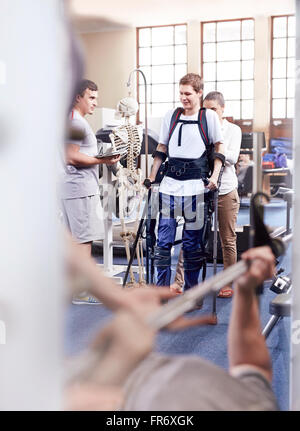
(192, 147)
(80, 182)
(232, 143)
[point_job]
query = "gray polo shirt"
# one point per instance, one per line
(80, 182)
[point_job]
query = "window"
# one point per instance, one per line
(162, 56)
(228, 64)
(283, 67)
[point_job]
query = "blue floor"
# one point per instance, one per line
(83, 322)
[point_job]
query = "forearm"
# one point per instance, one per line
(246, 344)
(217, 168)
(81, 160)
(219, 148)
(157, 162)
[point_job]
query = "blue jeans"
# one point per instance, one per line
(195, 213)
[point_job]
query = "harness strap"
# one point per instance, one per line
(203, 125)
(180, 129)
(174, 120)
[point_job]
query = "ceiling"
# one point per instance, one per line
(98, 15)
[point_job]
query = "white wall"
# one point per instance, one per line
(33, 106)
(111, 55)
(295, 320)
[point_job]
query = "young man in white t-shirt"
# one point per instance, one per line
(228, 202)
(183, 187)
(80, 184)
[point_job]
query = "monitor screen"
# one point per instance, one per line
(247, 139)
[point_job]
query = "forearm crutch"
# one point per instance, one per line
(215, 238)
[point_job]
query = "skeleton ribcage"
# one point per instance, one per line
(132, 136)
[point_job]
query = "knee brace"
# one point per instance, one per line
(193, 260)
(162, 257)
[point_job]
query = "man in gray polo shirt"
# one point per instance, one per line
(81, 205)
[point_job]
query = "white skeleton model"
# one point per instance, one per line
(128, 139)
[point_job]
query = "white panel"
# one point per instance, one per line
(32, 119)
(295, 320)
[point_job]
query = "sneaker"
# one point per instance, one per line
(89, 300)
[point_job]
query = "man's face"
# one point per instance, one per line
(215, 106)
(88, 102)
(189, 98)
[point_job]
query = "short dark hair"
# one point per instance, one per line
(194, 80)
(82, 86)
(215, 95)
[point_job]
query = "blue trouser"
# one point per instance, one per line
(195, 213)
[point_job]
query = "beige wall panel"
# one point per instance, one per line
(194, 47)
(110, 57)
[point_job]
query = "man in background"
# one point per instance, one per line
(80, 192)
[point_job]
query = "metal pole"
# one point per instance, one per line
(215, 240)
(257, 159)
(270, 325)
(257, 175)
(108, 223)
(146, 154)
(215, 246)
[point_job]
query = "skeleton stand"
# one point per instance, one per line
(130, 181)
(135, 244)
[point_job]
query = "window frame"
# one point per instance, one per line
(245, 123)
(279, 127)
(149, 107)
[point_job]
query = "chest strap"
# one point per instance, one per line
(183, 122)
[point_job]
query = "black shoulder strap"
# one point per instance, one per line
(202, 124)
(203, 129)
(174, 120)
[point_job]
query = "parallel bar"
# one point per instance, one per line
(178, 306)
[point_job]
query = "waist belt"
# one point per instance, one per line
(188, 169)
